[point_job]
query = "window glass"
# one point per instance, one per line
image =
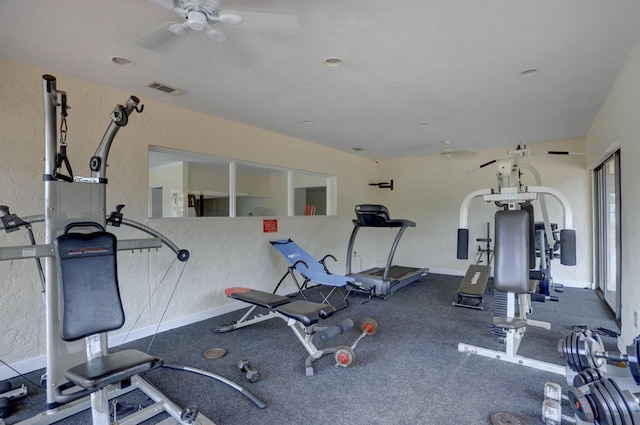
(260, 191)
(187, 185)
(184, 184)
(310, 194)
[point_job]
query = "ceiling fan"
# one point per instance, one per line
(198, 15)
(447, 151)
(208, 16)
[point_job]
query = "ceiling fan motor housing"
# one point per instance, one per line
(197, 20)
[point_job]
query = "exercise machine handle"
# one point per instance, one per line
(83, 224)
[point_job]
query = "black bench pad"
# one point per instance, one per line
(303, 311)
(102, 371)
(259, 298)
(306, 312)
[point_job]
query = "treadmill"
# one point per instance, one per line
(382, 281)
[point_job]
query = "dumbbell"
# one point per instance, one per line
(345, 356)
(250, 371)
(585, 350)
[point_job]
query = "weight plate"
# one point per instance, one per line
(606, 411)
(616, 414)
(615, 392)
(573, 350)
(345, 357)
(215, 353)
(506, 418)
(562, 347)
(370, 326)
(582, 350)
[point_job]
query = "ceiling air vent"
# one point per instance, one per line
(165, 88)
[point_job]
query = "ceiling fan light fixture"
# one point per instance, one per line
(196, 20)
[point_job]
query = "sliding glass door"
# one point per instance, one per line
(608, 232)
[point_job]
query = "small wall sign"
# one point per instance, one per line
(269, 225)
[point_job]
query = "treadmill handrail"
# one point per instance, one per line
(381, 214)
(387, 268)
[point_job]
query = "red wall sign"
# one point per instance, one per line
(269, 225)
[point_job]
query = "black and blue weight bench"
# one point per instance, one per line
(302, 317)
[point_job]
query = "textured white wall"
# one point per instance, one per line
(225, 252)
(617, 125)
(229, 252)
(429, 190)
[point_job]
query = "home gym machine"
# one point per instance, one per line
(382, 281)
(515, 252)
(69, 200)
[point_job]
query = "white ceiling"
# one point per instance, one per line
(453, 64)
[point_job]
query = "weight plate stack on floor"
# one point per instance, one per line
(506, 418)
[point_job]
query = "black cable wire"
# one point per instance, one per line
(19, 374)
(166, 307)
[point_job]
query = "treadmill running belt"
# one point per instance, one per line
(395, 272)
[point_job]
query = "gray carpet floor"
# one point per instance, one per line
(409, 373)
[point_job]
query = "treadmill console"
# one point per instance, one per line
(372, 215)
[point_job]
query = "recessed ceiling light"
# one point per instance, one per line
(307, 122)
(333, 62)
(119, 60)
(357, 149)
(423, 124)
(528, 73)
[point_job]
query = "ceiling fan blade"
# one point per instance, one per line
(267, 22)
(178, 29)
(229, 18)
(157, 37)
(165, 4)
(216, 35)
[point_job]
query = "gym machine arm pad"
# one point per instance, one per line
(463, 244)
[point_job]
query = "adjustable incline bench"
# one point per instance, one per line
(302, 317)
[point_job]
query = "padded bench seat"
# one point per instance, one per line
(102, 371)
(306, 312)
(255, 297)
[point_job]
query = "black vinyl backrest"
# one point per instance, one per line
(511, 255)
(90, 300)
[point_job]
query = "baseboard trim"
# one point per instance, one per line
(40, 362)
